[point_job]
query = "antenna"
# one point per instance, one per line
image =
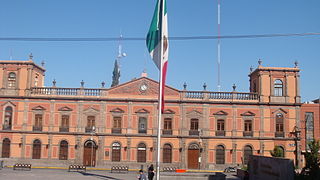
(219, 60)
(120, 53)
(10, 54)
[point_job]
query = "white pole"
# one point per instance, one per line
(160, 95)
(219, 60)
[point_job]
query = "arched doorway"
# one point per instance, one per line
(247, 151)
(193, 156)
(6, 148)
(89, 153)
(142, 153)
(63, 152)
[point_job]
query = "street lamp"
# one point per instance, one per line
(92, 132)
(296, 132)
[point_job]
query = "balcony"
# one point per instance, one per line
(37, 128)
(63, 129)
(142, 131)
(116, 131)
(89, 129)
(279, 134)
(247, 133)
(220, 133)
(167, 132)
(6, 127)
(193, 132)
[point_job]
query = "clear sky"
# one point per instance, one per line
(190, 61)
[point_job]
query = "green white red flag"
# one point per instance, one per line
(157, 43)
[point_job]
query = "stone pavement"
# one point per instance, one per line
(61, 174)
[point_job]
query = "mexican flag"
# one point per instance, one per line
(157, 43)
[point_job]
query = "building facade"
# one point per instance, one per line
(55, 126)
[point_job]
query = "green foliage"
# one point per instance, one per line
(312, 169)
(277, 152)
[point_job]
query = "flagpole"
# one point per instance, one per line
(160, 95)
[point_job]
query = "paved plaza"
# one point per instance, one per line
(57, 174)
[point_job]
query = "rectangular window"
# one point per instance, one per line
(142, 125)
(194, 124)
(91, 121)
(167, 124)
(309, 128)
(116, 122)
(248, 125)
(220, 125)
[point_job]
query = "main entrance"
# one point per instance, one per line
(89, 153)
(193, 156)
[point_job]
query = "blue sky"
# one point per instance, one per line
(190, 61)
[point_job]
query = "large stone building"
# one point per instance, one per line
(55, 126)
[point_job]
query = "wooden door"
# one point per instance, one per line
(193, 158)
(89, 154)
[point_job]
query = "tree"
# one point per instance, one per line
(116, 74)
(277, 152)
(312, 160)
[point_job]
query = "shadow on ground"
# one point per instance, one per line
(98, 176)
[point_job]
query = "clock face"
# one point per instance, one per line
(143, 87)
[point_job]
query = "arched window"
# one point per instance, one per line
(116, 152)
(7, 118)
(247, 152)
(278, 88)
(36, 149)
(142, 125)
(220, 155)
(279, 125)
(281, 149)
(12, 80)
(167, 153)
(142, 153)
(63, 153)
(6, 148)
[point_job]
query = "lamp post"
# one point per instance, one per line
(92, 132)
(200, 147)
(296, 132)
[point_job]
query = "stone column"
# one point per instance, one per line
(25, 115)
(23, 146)
(49, 146)
(182, 144)
(234, 121)
(234, 152)
(128, 149)
(51, 116)
(80, 127)
(298, 97)
(100, 151)
(261, 132)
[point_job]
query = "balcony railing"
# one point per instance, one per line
(37, 128)
(63, 129)
(248, 133)
(220, 133)
(167, 132)
(89, 129)
(66, 91)
(116, 130)
(142, 131)
(6, 127)
(194, 132)
(279, 134)
(220, 95)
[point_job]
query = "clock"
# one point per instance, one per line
(143, 87)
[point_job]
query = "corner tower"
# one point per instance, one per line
(276, 84)
(17, 77)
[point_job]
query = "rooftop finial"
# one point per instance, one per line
(102, 84)
(204, 86)
(42, 63)
(184, 86)
(260, 62)
(296, 64)
(251, 69)
(54, 83)
(30, 57)
(82, 83)
(234, 87)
